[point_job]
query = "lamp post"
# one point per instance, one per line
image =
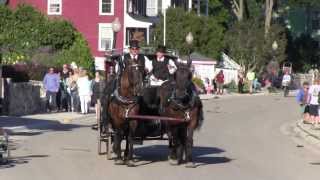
(273, 64)
(189, 40)
(116, 27)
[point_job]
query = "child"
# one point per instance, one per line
(302, 98)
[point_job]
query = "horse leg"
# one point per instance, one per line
(117, 147)
(132, 127)
(180, 143)
(175, 150)
(172, 149)
(188, 148)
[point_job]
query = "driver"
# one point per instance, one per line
(134, 55)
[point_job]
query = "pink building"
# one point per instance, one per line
(93, 18)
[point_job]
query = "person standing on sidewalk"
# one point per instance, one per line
(250, 77)
(302, 97)
(313, 101)
(97, 90)
(84, 90)
(220, 81)
(51, 85)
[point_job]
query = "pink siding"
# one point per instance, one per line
(84, 14)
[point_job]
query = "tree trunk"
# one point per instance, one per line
(268, 16)
(237, 8)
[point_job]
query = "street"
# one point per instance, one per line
(243, 137)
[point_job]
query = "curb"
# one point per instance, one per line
(304, 130)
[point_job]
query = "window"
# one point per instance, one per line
(54, 7)
(105, 36)
(152, 7)
(106, 7)
(139, 34)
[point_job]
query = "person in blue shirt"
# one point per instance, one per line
(302, 99)
(51, 83)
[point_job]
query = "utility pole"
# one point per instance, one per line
(198, 7)
(207, 7)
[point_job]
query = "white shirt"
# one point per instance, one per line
(84, 86)
(286, 78)
(313, 94)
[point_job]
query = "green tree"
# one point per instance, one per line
(25, 33)
(207, 31)
(246, 44)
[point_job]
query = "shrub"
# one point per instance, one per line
(231, 87)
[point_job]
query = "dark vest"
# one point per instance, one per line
(141, 60)
(160, 69)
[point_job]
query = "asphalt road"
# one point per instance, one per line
(247, 137)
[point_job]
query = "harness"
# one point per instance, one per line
(184, 108)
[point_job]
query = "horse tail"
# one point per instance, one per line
(200, 115)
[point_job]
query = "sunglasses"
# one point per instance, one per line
(135, 48)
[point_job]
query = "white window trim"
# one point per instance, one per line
(54, 13)
(102, 25)
(106, 14)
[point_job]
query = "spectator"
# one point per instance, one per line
(75, 100)
(256, 85)
(240, 83)
(313, 101)
(65, 99)
(250, 77)
(84, 90)
(220, 81)
(302, 97)
(97, 89)
(51, 86)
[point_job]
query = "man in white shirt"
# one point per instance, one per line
(286, 79)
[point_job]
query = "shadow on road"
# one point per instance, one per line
(13, 161)
(201, 155)
(17, 126)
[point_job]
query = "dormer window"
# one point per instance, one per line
(106, 7)
(54, 7)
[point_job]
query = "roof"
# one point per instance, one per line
(195, 56)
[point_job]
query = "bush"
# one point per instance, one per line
(198, 82)
(231, 87)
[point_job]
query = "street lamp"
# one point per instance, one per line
(116, 27)
(189, 40)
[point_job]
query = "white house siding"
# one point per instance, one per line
(204, 70)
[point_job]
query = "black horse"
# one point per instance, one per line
(181, 101)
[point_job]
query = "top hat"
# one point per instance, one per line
(161, 49)
(134, 44)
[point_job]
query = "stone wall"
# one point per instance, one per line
(298, 79)
(23, 98)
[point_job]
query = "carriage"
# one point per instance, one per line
(4, 146)
(151, 119)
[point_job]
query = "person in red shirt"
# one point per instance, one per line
(220, 81)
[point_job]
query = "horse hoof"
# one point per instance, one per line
(173, 162)
(119, 162)
(191, 165)
(130, 163)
